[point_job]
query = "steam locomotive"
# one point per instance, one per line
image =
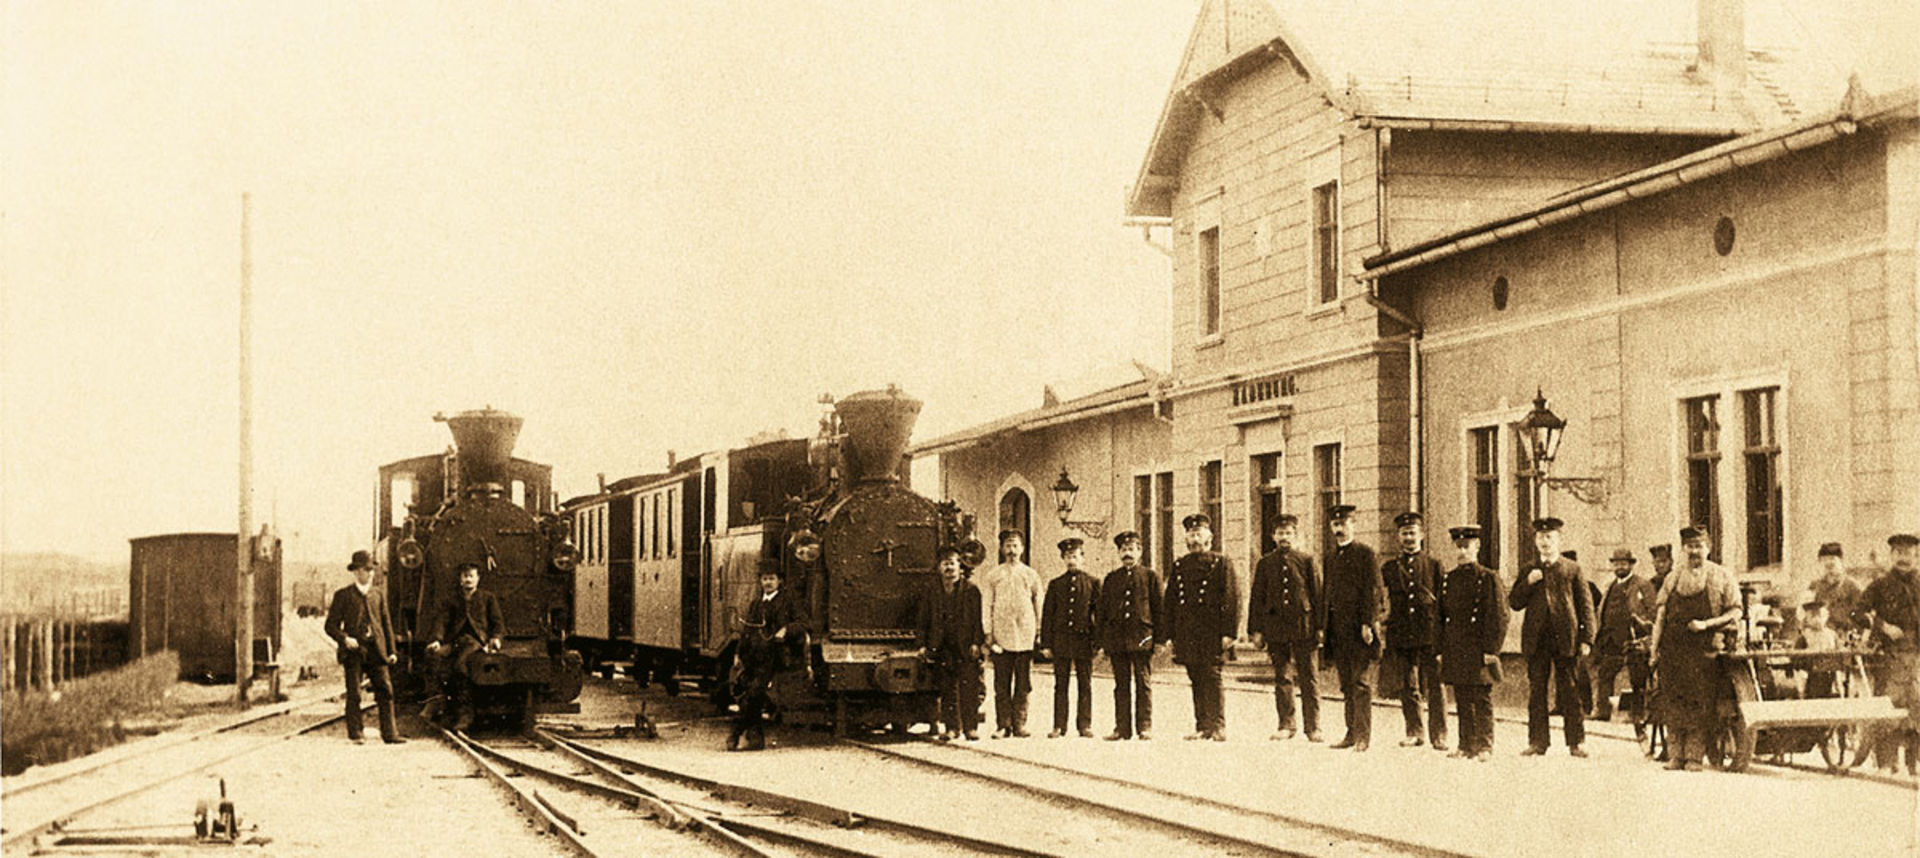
(478, 504)
(670, 562)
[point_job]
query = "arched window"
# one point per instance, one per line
(1016, 513)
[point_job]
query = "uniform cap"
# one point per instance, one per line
(1408, 517)
(1459, 534)
(1831, 549)
(1286, 519)
(1661, 550)
(1071, 543)
(1692, 531)
(1899, 540)
(1198, 519)
(1548, 523)
(1339, 511)
(1121, 539)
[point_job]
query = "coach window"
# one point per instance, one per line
(653, 503)
(670, 496)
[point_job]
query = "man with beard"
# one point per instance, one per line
(1202, 613)
(1626, 615)
(1355, 602)
(1284, 615)
(1892, 605)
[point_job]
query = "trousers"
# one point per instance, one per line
(1544, 668)
(958, 678)
(1293, 665)
(1065, 671)
(1209, 711)
(1012, 682)
(382, 682)
(1132, 692)
(1356, 685)
(1413, 674)
(1475, 711)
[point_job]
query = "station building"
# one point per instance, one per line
(1302, 142)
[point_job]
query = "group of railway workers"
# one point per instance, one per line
(468, 622)
(1419, 620)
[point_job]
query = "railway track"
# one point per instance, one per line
(607, 804)
(1222, 826)
(47, 811)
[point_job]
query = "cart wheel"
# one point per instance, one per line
(1731, 747)
(1833, 747)
(1652, 738)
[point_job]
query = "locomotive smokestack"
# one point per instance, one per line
(483, 442)
(877, 425)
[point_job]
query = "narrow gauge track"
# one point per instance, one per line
(1228, 827)
(683, 810)
(46, 821)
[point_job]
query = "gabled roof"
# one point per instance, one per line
(1624, 66)
(1137, 391)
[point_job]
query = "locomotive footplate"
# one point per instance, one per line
(892, 666)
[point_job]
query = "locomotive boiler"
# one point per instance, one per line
(479, 505)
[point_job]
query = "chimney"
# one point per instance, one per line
(1723, 45)
(673, 458)
(602, 476)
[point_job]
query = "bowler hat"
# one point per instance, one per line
(1462, 533)
(1121, 539)
(1408, 517)
(1830, 549)
(1198, 519)
(361, 560)
(1623, 554)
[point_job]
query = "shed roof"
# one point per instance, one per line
(1138, 392)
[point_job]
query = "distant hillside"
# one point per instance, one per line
(28, 581)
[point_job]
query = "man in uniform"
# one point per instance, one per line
(1473, 625)
(1626, 615)
(1355, 601)
(1010, 596)
(774, 622)
(1555, 634)
(1410, 667)
(363, 634)
(1284, 616)
(469, 622)
(1891, 604)
(1129, 607)
(1835, 589)
(1203, 612)
(1068, 635)
(950, 623)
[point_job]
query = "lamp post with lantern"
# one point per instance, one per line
(1064, 493)
(1540, 432)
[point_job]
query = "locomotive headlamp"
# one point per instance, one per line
(410, 554)
(565, 556)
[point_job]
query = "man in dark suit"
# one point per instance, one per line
(1473, 626)
(1068, 630)
(358, 623)
(1555, 634)
(955, 643)
(775, 623)
(1129, 606)
(1284, 616)
(1355, 602)
(1410, 667)
(1202, 614)
(1626, 615)
(470, 622)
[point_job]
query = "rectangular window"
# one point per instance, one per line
(1523, 508)
(1267, 499)
(670, 496)
(1143, 513)
(1163, 481)
(1210, 498)
(1326, 479)
(640, 529)
(1326, 242)
(1210, 281)
(1703, 466)
(653, 504)
(1486, 492)
(1766, 530)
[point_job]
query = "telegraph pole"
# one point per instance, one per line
(243, 542)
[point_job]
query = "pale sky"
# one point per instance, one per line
(640, 226)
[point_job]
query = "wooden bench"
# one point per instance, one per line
(1819, 712)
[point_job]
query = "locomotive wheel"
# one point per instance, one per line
(1833, 746)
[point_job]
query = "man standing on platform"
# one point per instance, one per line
(1129, 607)
(1068, 635)
(1355, 602)
(1473, 625)
(1010, 596)
(1891, 604)
(1555, 634)
(1834, 589)
(1202, 613)
(1410, 668)
(1284, 616)
(363, 634)
(950, 623)
(1626, 615)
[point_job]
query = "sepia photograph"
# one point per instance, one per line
(651, 427)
